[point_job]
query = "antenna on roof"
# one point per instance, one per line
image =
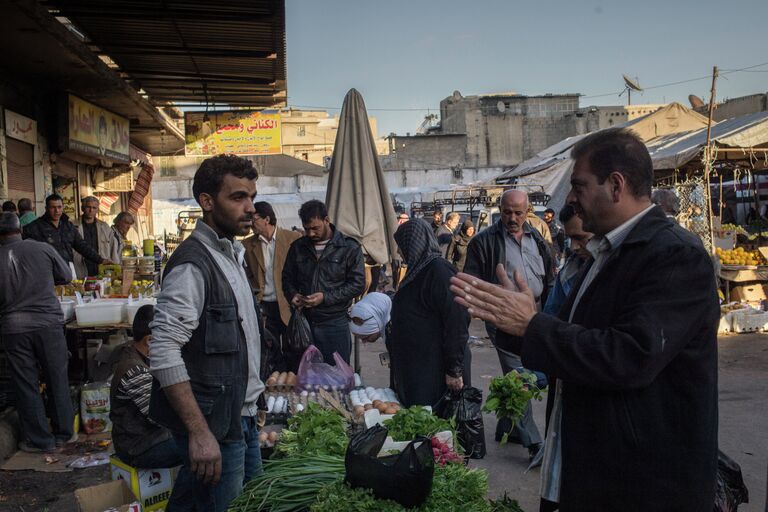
(629, 86)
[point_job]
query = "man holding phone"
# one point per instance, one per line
(323, 272)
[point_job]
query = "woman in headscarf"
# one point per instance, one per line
(369, 317)
(428, 333)
(457, 251)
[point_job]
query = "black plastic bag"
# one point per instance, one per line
(465, 408)
(405, 477)
(731, 491)
(298, 337)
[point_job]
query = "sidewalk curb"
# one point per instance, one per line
(9, 433)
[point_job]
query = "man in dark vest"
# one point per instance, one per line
(205, 349)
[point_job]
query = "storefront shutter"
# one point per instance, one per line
(20, 157)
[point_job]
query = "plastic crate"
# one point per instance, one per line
(749, 320)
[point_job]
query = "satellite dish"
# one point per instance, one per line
(629, 86)
(695, 101)
(632, 84)
(501, 107)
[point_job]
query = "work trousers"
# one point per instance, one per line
(28, 353)
(331, 336)
(240, 461)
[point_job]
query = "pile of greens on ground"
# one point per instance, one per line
(289, 485)
(415, 421)
(313, 431)
(505, 504)
(454, 488)
(508, 396)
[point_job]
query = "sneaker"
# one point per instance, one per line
(30, 448)
(63, 442)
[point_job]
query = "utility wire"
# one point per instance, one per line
(748, 69)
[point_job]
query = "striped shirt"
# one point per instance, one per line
(136, 386)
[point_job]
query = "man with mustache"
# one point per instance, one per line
(633, 350)
(515, 244)
(205, 351)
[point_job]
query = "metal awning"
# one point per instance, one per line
(49, 59)
(194, 51)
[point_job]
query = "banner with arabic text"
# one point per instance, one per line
(238, 132)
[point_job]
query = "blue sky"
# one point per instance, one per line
(408, 55)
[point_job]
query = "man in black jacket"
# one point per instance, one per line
(323, 272)
(514, 243)
(634, 348)
(54, 228)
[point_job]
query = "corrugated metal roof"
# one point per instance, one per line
(196, 51)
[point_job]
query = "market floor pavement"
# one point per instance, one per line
(743, 431)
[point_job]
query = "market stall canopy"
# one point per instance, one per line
(50, 53)
(551, 168)
(358, 199)
(194, 51)
(749, 132)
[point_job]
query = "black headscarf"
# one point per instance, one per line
(418, 244)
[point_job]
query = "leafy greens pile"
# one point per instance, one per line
(454, 488)
(313, 431)
(415, 421)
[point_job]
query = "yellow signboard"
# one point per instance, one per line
(95, 131)
(238, 132)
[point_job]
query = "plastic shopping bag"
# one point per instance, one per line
(731, 491)
(314, 372)
(465, 408)
(298, 337)
(405, 477)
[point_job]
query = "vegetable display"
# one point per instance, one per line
(509, 394)
(454, 488)
(289, 485)
(313, 431)
(415, 421)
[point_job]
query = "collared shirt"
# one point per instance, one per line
(268, 249)
(524, 257)
(180, 305)
(600, 248)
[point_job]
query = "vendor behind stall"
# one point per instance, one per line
(428, 336)
(139, 442)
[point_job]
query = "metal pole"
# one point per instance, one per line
(708, 159)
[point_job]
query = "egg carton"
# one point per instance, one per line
(749, 320)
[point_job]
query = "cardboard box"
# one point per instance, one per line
(110, 496)
(152, 486)
(748, 292)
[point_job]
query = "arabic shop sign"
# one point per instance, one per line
(20, 127)
(238, 132)
(95, 131)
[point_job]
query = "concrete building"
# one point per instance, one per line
(737, 107)
(602, 117)
(310, 135)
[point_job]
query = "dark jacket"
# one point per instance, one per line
(216, 356)
(64, 239)
(639, 367)
(487, 249)
(444, 238)
(132, 432)
(339, 273)
(457, 251)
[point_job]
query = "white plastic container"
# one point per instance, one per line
(67, 308)
(133, 308)
(750, 320)
(99, 313)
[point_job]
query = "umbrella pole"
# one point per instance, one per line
(357, 355)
